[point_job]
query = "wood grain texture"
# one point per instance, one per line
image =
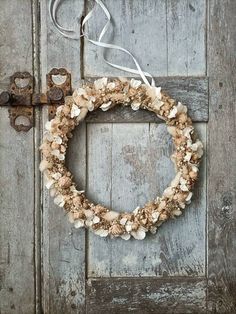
(186, 22)
(192, 92)
(166, 37)
(17, 268)
(129, 164)
(145, 296)
(63, 284)
(221, 160)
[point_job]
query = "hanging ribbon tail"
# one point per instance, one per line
(68, 33)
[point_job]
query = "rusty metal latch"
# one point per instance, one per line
(22, 100)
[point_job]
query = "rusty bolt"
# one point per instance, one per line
(4, 98)
(55, 94)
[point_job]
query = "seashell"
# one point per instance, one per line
(111, 85)
(75, 111)
(101, 232)
(116, 230)
(57, 139)
(100, 83)
(64, 182)
(90, 106)
(53, 192)
(57, 154)
(44, 165)
(47, 136)
(82, 115)
(88, 213)
(188, 198)
(123, 221)
(187, 131)
(168, 192)
(162, 205)
(111, 215)
(155, 216)
(140, 234)
(96, 220)
(193, 175)
(106, 106)
(135, 106)
(176, 212)
(157, 104)
(81, 92)
(135, 211)
(128, 226)
(79, 223)
(183, 186)
(77, 201)
(135, 83)
(181, 108)
(163, 217)
(59, 200)
(56, 175)
(188, 156)
(125, 236)
(173, 112)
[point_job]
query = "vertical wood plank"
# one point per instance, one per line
(139, 26)
(17, 268)
(63, 246)
(141, 169)
(221, 160)
(186, 22)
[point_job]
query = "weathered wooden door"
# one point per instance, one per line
(189, 266)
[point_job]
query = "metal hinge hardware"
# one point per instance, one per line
(21, 99)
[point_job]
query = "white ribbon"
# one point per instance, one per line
(68, 33)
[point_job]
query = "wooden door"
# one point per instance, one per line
(189, 266)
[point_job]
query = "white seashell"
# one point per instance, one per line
(125, 236)
(187, 131)
(181, 108)
(156, 92)
(173, 112)
(79, 223)
(198, 147)
(106, 106)
(81, 91)
(59, 109)
(90, 106)
(56, 175)
(59, 200)
(44, 164)
(135, 83)
(128, 226)
(49, 183)
(57, 139)
(157, 103)
(123, 221)
(188, 198)
(135, 211)
(135, 106)
(57, 154)
(155, 216)
(195, 168)
(100, 83)
(111, 85)
(88, 213)
(48, 125)
(101, 232)
(96, 219)
(75, 111)
(140, 234)
(188, 156)
(175, 181)
(48, 136)
(183, 185)
(168, 192)
(176, 212)
(71, 217)
(89, 222)
(111, 215)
